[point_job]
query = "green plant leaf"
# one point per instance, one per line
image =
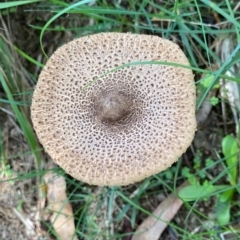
(214, 100)
(230, 150)
(222, 210)
(207, 80)
(192, 193)
(226, 196)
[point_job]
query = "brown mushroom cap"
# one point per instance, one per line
(127, 125)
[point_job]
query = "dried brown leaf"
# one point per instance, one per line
(62, 214)
(152, 227)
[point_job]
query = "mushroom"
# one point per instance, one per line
(111, 127)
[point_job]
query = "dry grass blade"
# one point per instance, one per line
(229, 89)
(151, 227)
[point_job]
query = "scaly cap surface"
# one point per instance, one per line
(127, 125)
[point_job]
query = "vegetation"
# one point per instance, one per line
(209, 34)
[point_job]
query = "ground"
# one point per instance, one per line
(28, 182)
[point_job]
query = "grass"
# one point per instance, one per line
(114, 213)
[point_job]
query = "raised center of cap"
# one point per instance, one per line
(113, 106)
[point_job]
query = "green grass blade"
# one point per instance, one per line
(16, 3)
(58, 15)
(25, 125)
(30, 59)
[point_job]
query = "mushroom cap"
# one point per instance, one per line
(107, 127)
